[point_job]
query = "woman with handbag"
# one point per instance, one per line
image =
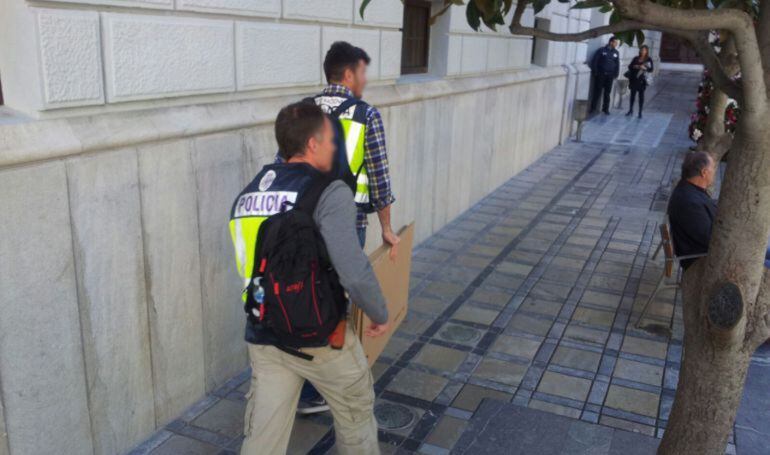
(637, 75)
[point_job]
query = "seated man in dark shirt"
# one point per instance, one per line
(691, 211)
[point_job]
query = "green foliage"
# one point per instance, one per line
(587, 4)
(364, 4)
(492, 13)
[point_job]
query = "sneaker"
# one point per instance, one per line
(312, 406)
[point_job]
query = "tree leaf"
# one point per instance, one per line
(626, 37)
(485, 6)
(473, 15)
(364, 4)
(494, 21)
(508, 4)
(539, 5)
(639, 38)
(586, 4)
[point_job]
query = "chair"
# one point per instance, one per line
(667, 245)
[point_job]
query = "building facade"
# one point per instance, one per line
(128, 127)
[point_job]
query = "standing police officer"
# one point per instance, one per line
(605, 68)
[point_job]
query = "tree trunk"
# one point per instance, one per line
(716, 141)
(720, 300)
(711, 381)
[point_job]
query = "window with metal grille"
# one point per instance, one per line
(416, 37)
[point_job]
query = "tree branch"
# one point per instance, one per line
(720, 74)
(763, 37)
(684, 19)
(521, 5)
(622, 26)
(739, 23)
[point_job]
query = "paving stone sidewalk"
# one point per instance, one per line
(528, 298)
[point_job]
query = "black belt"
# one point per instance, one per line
(294, 352)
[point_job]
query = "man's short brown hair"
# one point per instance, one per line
(295, 125)
(694, 163)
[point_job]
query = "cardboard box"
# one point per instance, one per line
(394, 282)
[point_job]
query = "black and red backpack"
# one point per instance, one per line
(304, 300)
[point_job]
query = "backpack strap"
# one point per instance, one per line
(344, 106)
(309, 200)
(269, 239)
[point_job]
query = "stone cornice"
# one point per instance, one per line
(42, 140)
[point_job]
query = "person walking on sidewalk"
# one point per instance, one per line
(345, 68)
(297, 250)
(605, 68)
(638, 73)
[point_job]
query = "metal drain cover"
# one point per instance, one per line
(459, 333)
(393, 416)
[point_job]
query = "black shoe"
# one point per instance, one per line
(313, 406)
(629, 113)
(640, 115)
(606, 112)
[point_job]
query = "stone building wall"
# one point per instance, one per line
(129, 128)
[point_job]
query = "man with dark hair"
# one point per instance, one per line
(342, 375)
(605, 68)
(342, 56)
(691, 211)
(345, 68)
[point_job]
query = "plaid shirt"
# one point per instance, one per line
(375, 157)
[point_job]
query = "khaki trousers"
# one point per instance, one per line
(341, 376)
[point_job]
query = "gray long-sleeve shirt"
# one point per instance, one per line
(335, 216)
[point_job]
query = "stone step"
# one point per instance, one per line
(499, 427)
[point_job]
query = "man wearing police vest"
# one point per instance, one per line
(361, 156)
(294, 293)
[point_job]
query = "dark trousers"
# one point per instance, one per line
(309, 392)
(602, 87)
(641, 100)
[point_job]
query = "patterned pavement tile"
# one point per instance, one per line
(440, 358)
(471, 395)
(641, 346)
(639, 372)
(516, 346)
(576, 358)
(500, 371)
(417, 384)
(632, 400)
(565, 386)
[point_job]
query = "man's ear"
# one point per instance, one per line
(312, 144)
(348, 74)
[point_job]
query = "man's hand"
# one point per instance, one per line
(375, 330)
(390, 238)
